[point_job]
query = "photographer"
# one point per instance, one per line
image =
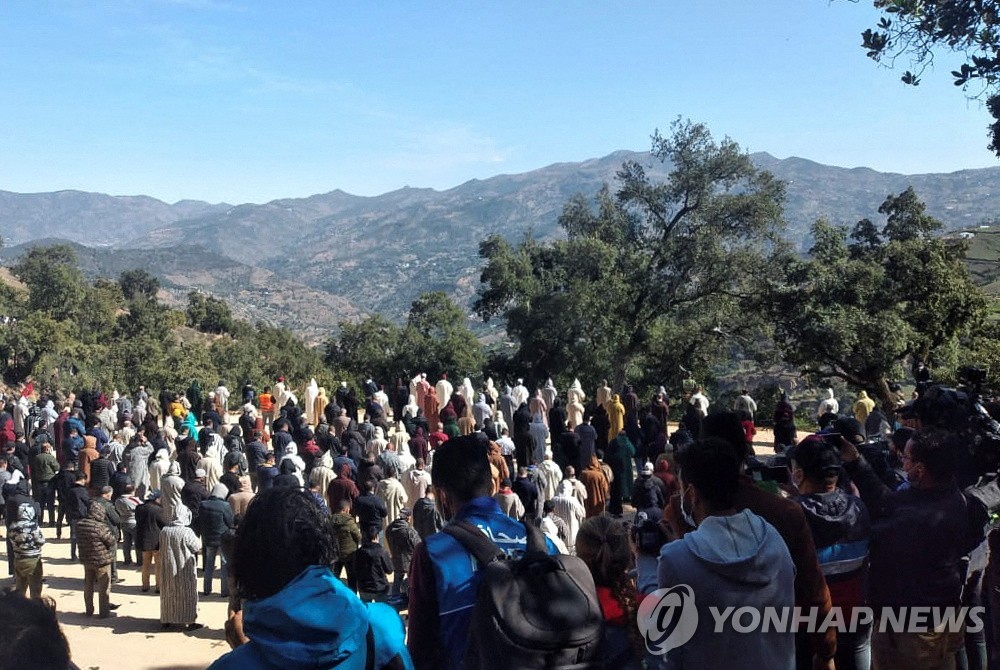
(919, 536)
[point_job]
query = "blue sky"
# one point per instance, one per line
(249, 101)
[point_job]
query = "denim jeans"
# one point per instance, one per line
(210, 554)
(854, 650)
(128, 540)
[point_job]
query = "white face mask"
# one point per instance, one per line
(688, 519)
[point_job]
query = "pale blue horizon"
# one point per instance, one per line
(234, 101)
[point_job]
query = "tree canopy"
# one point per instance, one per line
(76, 333)
(646, 275)
(436, 338)
(863, 303)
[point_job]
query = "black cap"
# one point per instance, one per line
(816, 457)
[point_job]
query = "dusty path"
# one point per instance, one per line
(133, 638)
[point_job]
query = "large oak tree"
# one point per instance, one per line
(646, 277)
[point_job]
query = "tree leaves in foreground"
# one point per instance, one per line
(916, 28)
(858, 307)
(650, 278)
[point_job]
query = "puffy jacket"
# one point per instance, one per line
(346, 533)
(25, 535)
(317, 623)
(101, 470)
(841, 531)
(647, 491)
(94, 538)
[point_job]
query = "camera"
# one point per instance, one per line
(774, 469)
(646, 531)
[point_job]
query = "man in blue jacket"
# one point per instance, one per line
(297, 614)
(443, 575)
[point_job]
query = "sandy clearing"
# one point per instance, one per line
(133, 638)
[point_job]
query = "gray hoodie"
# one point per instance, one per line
(732, 561)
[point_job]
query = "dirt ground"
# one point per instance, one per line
(133, 639)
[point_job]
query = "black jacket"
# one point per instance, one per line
(101, 470)
(192, 496)
(371, 565)
(149, 521)
(527, 491)
(76, 502)
(371, 512)
(256, 451)
(647, 491)
(919, 537)
(215, 517)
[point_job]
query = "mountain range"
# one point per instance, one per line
(309, 263)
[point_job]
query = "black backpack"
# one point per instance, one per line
(539, 611)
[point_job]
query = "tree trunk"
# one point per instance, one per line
(887, 401)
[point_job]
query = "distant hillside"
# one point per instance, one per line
(983, 257)
(376, 254)
(253, 293)
(91, 218)
(380, 252)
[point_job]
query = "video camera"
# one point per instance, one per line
(646, 531)
(961, 411)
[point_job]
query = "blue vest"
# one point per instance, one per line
(456, 577)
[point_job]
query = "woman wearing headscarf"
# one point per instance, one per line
(492, 395)
(179, 548)
(619, 456)
(158, 469)
(785, 432)
(195, 397)
(188, 422)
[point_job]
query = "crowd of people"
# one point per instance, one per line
(335, 523)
